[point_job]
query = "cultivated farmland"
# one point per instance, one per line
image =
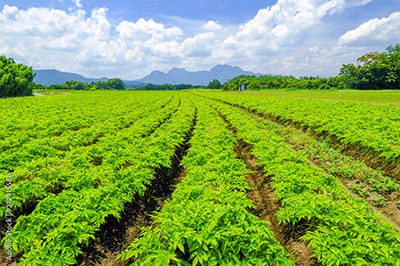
(198, 178)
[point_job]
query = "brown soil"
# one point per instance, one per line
(5, 262)
(267, 206)
(391, 211)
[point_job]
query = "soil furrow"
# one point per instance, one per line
(267, 206)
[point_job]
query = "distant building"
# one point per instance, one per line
(242, 87)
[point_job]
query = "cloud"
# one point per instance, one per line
(212, 26)
(199, 46)
(289, 37)
(42, 36)
(77, 3)
(375, 31)
(10, 12)
(143, 31)
(285, 24)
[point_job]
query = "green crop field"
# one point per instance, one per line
(200, 178)
(389, 97)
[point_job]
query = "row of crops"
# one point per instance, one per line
(207, 222)
(344, 230)
(77, 187)
(372, 130)
(78, 159)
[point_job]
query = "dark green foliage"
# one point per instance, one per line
(284, 82)
(111, 84)
(134, 86)
(38, 86)
(375, 71)
(15, 79)
(115, 84)
(153, 87)
(214, 85)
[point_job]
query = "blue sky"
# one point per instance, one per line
(129, 39)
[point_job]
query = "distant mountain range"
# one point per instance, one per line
(182, 76)
(51, 76)
(174, 76)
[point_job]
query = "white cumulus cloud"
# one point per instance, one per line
(289, 37)
(212, 26)
(373, 32)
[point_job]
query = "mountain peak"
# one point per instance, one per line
(177, 70)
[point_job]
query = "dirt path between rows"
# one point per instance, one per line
(267, 206)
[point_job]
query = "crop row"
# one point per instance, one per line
(81, 167)
(342, 230)
(207, 221)
(375, 130)
(40, 117)
(53, 233)
(54, 138)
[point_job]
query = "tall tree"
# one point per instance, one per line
(116, 84)
(375, 71)
(15, 79)
(215, 85)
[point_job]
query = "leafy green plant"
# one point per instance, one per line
(61, 222)
(374, 130)
(207, 222)
(359, 190)
(379, 202)
(341, 229)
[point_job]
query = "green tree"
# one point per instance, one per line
(15, 79)
(254, 84)
(215, 85)
(375, 71)
(115, 84)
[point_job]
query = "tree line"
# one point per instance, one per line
(284, 82)
(168, 87)
(111, 84)
(374, 71)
